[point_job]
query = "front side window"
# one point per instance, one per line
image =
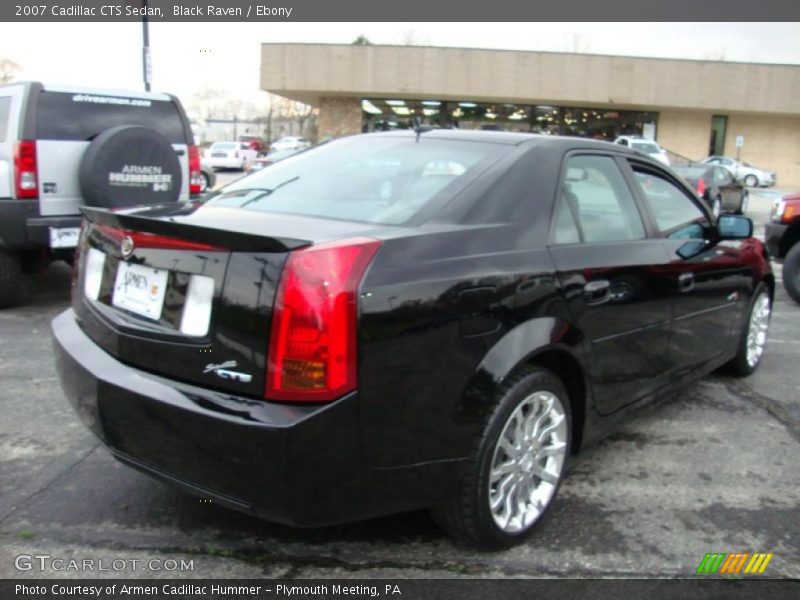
(604, 206)
(674, 211)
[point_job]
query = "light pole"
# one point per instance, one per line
(147, 69)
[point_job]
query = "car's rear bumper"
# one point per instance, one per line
(773, 232)
(300, 465)
(22, 228)
(225, 163)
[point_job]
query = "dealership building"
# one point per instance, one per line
(692, 108)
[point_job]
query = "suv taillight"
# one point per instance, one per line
(312, 346)
(195, 172)
(25, 170)
(701, 187)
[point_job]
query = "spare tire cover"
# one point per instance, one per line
(129, 165)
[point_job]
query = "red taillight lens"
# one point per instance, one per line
(195, 172)
(312, 348)
(153, 240)
(701, 187)
(26, 177)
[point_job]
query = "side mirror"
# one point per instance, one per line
(734, 227)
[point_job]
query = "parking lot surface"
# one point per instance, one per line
(713, 469)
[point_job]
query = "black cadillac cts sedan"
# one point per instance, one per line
(404, 320)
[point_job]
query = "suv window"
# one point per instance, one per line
(603, 204)
(81, 117)
(674, 211)
(5, 109)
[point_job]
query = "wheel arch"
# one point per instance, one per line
(550, 343)
(790, 237)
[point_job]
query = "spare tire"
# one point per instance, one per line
(129, 165)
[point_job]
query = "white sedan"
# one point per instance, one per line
(290, 143)
(230, 155)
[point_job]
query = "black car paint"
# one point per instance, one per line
(451, 305)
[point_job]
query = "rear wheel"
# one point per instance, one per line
(517, 464)
(10, 269)
(206, 183)
(791, 272)
(753, 338)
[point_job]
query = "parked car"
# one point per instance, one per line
(717, 187)
(649, 147)
(209, 177)
(230, 155)
(782, 234)
(290, 143)
(746, 173)
(63, 148)
(256, 143)
(272, 157)
(402, 320)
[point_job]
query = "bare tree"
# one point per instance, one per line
(8, 70)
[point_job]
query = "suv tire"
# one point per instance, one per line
(10, 269)
(791, 272)
(509, 470)
(143, 154)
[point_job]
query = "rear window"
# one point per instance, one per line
(81, 117)
(372, 179)
(5, 110)
(645, 147)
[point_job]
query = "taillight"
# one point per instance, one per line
(701, 187)
(312, 347)
(195, 172)
(25, 170)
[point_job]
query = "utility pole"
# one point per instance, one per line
(147, 68)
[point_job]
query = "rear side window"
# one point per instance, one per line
(5, 110)
(375, 179)
(603, 204)
(82, 117)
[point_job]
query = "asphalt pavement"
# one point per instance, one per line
(713, 469)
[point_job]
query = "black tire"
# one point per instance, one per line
(206, 183)
(10, 270)
(791, 272)
(751, 180)
(469, 516)
(740, 366)
(744, 201)
(129, 165)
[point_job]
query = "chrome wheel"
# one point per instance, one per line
(528, 461)
(757, 330)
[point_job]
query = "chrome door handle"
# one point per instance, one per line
(686, 282)
(598, 291)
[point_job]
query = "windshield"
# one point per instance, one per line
(375, 179)
(645, 147)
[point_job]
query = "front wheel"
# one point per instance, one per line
(753, 338)
(751, 180)
(517, 464)
(791, 272)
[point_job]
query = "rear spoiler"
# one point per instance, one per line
(162, 223)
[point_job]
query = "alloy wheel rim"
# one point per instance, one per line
(528, 462)
(757, 330)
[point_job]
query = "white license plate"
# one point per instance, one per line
(64, 237)
(140, 289)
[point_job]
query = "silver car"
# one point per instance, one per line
(745, 173)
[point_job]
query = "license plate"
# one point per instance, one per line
(219, 155)
(64, 237)
(140, 290)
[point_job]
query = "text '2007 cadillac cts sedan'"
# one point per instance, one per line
(404, 320)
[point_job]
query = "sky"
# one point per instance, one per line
(188, 57)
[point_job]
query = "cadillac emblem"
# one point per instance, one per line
(126, 246)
